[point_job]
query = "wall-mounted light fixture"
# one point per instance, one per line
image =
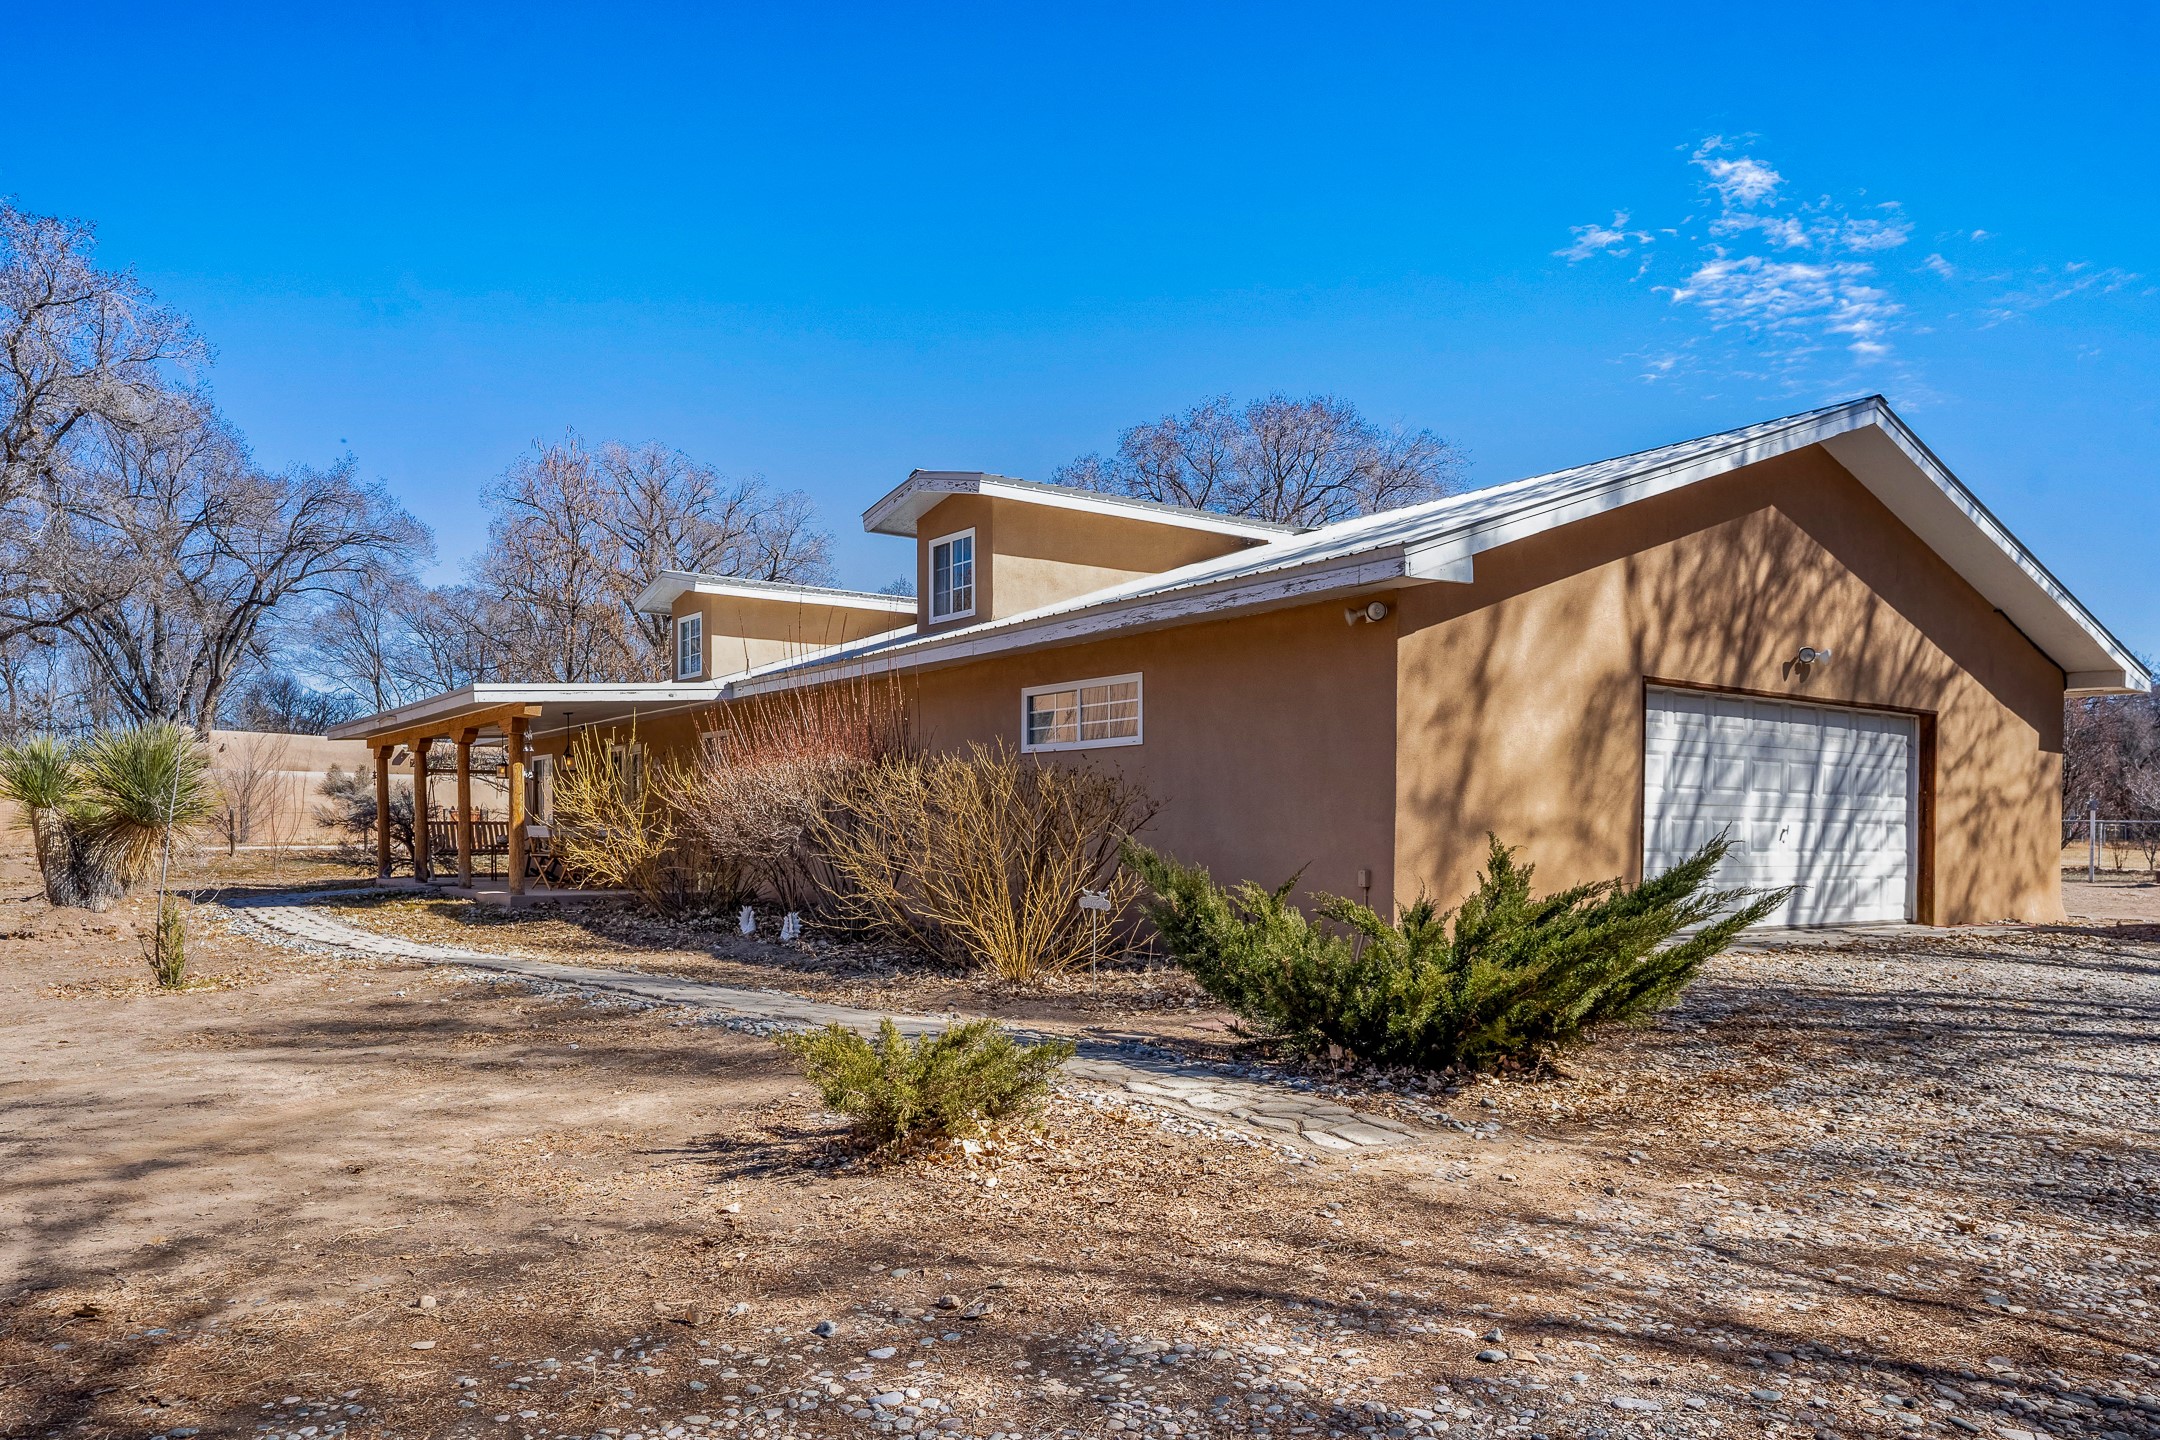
(1809, 655)
(1372, 613)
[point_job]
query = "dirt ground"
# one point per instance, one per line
(1888, 1186)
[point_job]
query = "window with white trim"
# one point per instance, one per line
(689, 646)
(952, 576)
(1081, 715)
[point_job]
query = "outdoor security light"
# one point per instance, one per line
(1809, 655)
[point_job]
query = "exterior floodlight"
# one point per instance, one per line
(1372, 613)
(1809, 655)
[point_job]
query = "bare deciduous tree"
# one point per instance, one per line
(76, 343)
(163, 552)
(1300, 462)
(578, 533)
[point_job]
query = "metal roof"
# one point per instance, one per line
(898, 510)
(1439, 541)
(664, 588)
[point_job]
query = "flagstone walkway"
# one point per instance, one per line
(1200, 1091)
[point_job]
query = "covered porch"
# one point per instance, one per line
(457, 849)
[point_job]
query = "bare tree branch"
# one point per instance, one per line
(1301, 462)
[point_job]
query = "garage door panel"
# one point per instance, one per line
(1814, 797)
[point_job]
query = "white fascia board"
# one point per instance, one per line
(1249, 594)
(1916, 487)
(473, 699)
(659, 597)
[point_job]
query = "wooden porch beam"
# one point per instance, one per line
(382, 812)
(423, 869)
(514, 750)
(464, 805)
(498, 717)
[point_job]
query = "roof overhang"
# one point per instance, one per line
(659, 597)
(898, 511)
(545, 707)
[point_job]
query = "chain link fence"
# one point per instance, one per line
(2095, 845)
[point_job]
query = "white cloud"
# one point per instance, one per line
(1795, 295)
(1596, 239)
(1745, 181)
(1792, 300)
(2050, 285)
(1865, 236)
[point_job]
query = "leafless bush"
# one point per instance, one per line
(249, 777)
(612, 829)
(348, 808)
(770, 776)
(984, 857)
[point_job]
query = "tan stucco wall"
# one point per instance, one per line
(1520, 700)
(1268, 740)
(1027, 556)
(1515, 704)
(741, 633)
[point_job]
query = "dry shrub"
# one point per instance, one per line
(613, 829)
(769, 777)
(983, 857)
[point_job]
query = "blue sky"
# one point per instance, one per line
(829, 245)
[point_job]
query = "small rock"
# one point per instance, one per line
(883, 1352)
(1768, 1397)
(824, 1327)
(733, 1207)
(1493, 1335)
(423, 1344)
(948, 1302)
(427, 1302)
(1492, 1357)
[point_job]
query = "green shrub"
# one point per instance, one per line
(1505, 978)
(898, 1091)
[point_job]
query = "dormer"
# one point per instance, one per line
(988, 546)
(722, 625)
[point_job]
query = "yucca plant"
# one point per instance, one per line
(140, 788)
(40, 775)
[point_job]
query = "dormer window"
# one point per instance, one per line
(689, 647)
(952, 576)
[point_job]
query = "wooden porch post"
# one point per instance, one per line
(423, 871)
(382, 812)
(464, 807)
(514, 750)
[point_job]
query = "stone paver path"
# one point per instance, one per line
(1161, 1081)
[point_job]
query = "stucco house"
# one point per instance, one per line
(1806, 631)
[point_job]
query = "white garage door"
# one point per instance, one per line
(1815, 797)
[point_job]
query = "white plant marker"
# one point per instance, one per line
(791, 926)
(748, 921)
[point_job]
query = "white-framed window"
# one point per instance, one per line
(1081, 714)
(689, 646)
(952, 576)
